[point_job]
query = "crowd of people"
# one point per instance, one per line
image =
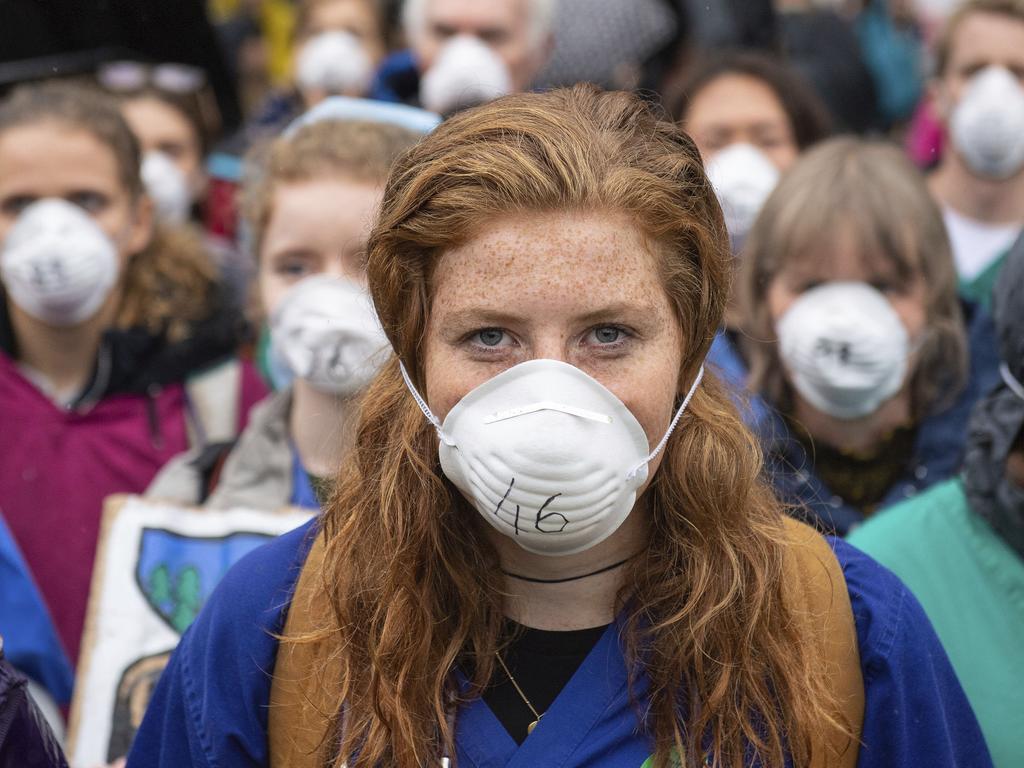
(652, 376)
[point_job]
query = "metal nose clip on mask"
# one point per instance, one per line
(547, 454)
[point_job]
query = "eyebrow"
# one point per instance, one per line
(485, 315)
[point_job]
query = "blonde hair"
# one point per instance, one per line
(357, 150)
(1013, 9)
(412, 581)
(170, 285)
(870, 194)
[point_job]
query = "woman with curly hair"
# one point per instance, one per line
(551, 544)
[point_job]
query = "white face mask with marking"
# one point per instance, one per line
(57, 264)
(846, 350)
(547, 455)
(326, 332)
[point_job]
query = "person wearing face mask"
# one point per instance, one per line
(465, 53)
(979, 95)
(308, 205)
(337, 48)
(855, 336)
(113, 341)
(171, 110)
(960, 547)
(751, 116)
(552, 516)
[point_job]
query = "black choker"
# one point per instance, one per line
(532, 580)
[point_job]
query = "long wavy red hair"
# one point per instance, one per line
(414, 596)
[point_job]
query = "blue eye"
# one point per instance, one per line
(490, 337)
(608, 334)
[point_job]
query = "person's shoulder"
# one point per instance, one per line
(887, 616)
(907, 524)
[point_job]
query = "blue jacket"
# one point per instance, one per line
(30, 640)
(210, 708)
(938, 449)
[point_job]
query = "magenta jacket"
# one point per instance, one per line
(57, 465)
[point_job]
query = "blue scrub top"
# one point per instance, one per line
(210, 708)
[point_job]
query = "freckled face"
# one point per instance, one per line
(580, 288)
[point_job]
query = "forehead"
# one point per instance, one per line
(321, 210)
(469, 15)
(535, 262)
(339, 14)
(848, 256)
(51, 159)
(988, 38)
(735, 98)
(152, 118)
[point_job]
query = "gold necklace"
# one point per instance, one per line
(508, 674)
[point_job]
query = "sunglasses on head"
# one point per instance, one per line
(128, 76)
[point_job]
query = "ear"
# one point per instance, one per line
(140, 233)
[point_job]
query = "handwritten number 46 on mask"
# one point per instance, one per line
(540, 518)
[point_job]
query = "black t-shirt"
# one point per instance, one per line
(542, 662)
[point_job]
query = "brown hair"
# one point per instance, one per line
(808, 116)
(944, 44)
(168, 286)
(870, 192)
(413, 594)
(357, 150)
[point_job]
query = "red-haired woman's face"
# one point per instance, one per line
(580, 288)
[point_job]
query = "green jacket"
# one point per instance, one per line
(971, 584)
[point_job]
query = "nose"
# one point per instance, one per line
(550, 345)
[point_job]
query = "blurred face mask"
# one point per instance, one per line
(326, 332)
(546, 454)
(987, 125)
(57, 264)
(743, 177)
(466, 72)
(845, 349)
(335, 63)
(167, 186)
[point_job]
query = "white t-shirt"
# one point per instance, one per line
(977, 244)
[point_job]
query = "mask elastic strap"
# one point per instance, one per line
(1011, 381)
(671, 427)
(423, 406)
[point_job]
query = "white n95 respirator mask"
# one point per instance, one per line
(57, 264)
(167, 186)
(466, 73)
(546, 454)
(987, 125)
(326, 332)
(743, 177)
(845, 349)
(335, 63)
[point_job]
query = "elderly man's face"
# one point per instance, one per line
(503, 25)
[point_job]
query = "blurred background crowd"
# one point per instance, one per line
(186, 188)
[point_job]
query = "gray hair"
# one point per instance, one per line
(542, 16)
